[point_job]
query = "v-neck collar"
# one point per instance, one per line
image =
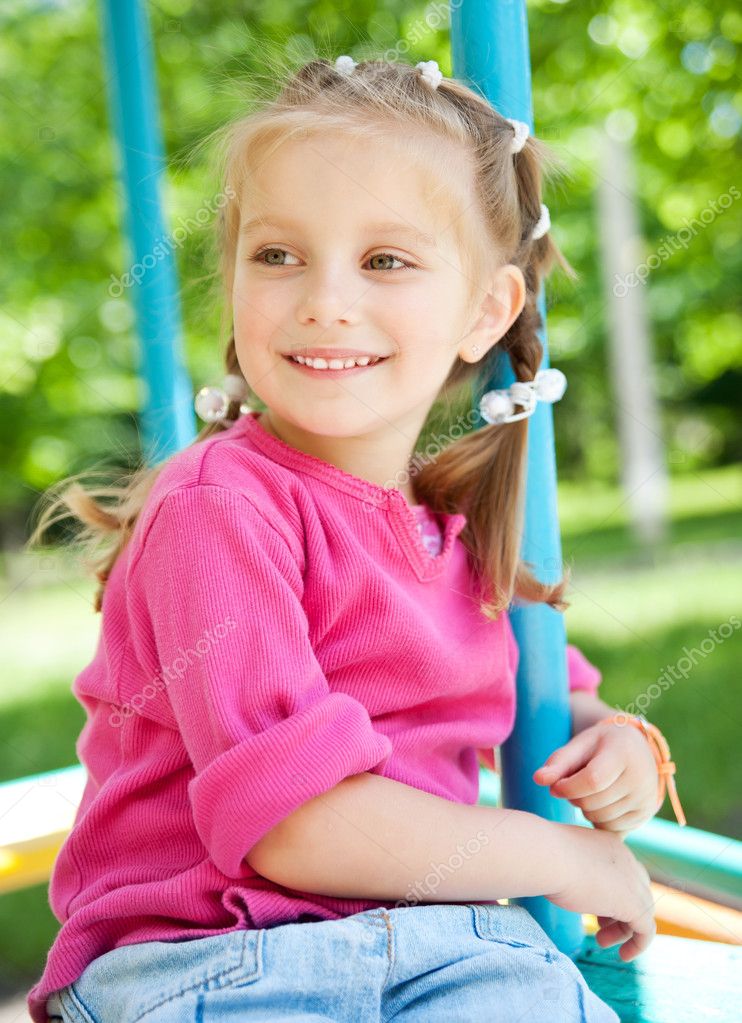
(402, 517)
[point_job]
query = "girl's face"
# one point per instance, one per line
(349, 256)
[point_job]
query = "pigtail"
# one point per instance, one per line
(107, 527)
(483, 474)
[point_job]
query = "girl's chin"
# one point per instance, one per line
(329, 423)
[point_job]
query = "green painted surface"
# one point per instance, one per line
(676, 980)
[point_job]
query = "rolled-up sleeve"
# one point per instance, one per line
(581, 674)
(217, 586)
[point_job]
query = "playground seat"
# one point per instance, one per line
(678, 978)
(36, 815)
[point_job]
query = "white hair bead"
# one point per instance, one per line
(430, 73)
(499, 406)
(235, 386)
(543, 224)
(522, 131)
(496, 406)
(212, 403)
(345, 65)
(551, 384)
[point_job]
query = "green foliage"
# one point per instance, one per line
(661, 75)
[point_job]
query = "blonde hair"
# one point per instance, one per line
(465, 146)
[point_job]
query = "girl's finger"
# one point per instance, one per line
(635, 946)
(601, 773)
(608, 796)
(592, 809)
(612, 932)
(610, 812)
(627, 822)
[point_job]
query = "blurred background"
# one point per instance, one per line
(641, 101)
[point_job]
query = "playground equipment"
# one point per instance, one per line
(697, 876)
(686, 974)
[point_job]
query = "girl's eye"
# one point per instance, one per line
(257, 258)
(388, 255)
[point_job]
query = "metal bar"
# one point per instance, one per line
(489, 41)
(168, 421)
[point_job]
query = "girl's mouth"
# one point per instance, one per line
(334, 373)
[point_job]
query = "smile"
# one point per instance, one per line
(334, 367)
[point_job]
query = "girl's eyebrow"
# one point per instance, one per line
(387, 227)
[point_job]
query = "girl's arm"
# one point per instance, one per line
(214, 593)
(371, 837)
(584, 679)
(587, 709)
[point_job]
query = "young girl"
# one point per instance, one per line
(305, 646)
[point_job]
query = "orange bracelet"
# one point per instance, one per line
(661, 752)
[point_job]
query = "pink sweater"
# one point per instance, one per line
(274, 626)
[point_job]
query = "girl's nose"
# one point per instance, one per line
(329, 300)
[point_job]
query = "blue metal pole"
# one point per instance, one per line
(489, 42)
(168, 419)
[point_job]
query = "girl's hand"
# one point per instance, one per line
(603, 877)
(609, 772)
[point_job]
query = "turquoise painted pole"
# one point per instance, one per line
(489, 42)
(168, 420)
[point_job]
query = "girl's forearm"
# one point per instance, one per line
(371, 837)
(587, 710)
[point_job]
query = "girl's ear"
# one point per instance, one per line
(501, 307)
(508, 296)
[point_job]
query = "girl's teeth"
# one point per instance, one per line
(320, 363)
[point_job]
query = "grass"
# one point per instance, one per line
(703, 508)
(634, 614)
(651, 634)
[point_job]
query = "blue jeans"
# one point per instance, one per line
(431, 963)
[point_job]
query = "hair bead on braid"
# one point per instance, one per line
(522, 131)
(345, 65)
(430, 73)
(542, 224)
